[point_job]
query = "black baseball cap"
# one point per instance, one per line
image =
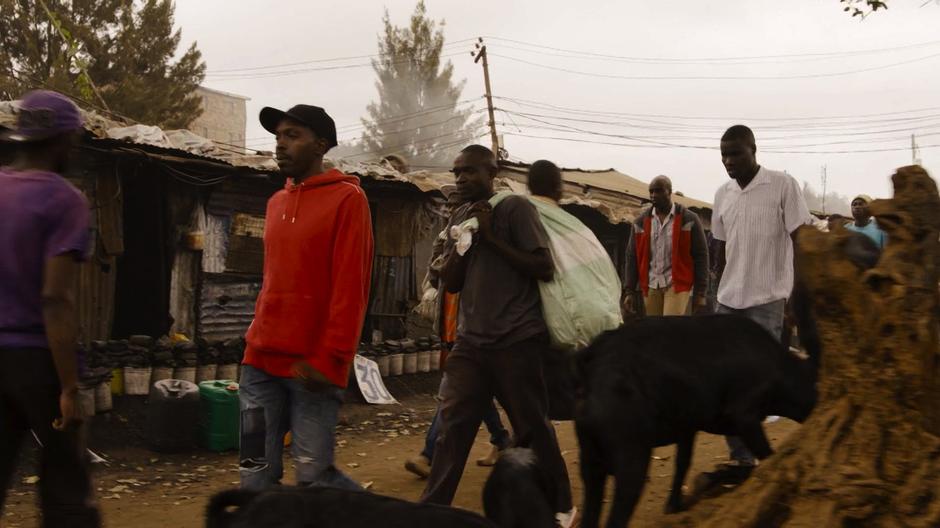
(313, 117)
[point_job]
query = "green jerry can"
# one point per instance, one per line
(218, 428)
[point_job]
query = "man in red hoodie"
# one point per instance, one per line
(317, 267)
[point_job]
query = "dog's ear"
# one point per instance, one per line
(224, 507)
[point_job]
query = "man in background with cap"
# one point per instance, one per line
(309, 314)
(865, 223)
(44, 235)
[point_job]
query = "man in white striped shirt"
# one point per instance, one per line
(754, 218)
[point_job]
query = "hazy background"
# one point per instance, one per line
(800, 123)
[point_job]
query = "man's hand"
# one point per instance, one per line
(70, 411)
(699, 305)
(312, 379)
(629, 303)
(483, 212)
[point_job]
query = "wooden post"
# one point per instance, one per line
(481, 54)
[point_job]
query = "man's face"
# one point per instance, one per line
(860, 209)
(474, 177)
(298, 149)
(660, 194)
(738, 158)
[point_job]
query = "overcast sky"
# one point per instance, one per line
(866, 110)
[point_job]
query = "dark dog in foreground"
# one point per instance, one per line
(660, 380)
(318, 507)
(518, 494)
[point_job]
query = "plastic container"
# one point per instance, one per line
(185, 374)
(117, 381)
(206, 373)
(228, 371)
(436, 360)
(103, 400)
(137, 381)
(424, 361)
(173, 416)
(160, 374)
(410, 365)
(219, 420)
(396, 363)
(382, 361)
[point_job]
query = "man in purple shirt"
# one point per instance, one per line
(44, 231)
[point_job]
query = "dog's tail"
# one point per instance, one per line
(223, 508)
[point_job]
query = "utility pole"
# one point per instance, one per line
(825, 179)
(915, 152)
(480, 54)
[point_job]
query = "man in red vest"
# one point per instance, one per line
(667, 258)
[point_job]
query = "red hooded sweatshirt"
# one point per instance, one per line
(317, 269)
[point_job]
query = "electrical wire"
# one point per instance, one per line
(710, 60)
(269, 75)
(316, 61)
(714, 77)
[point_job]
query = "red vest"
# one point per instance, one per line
(683, 269)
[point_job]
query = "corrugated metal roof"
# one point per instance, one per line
(609, 180)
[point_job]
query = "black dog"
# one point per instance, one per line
(518, 494)
(660, 380)
(319, 507)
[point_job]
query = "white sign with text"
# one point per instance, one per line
(370, 382)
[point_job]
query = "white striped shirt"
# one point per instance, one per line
(755, 223)
(661, 249)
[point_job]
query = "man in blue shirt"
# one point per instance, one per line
(865, 223)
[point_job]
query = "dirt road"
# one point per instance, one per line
(146, 490)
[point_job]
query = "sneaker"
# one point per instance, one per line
(569, 519)
(729, 474)
(419, 465)
(490, 459)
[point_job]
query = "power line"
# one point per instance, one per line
(715, 77)
(712, 131)
(538, 104)
(576, 140)
(718, 59)
(392, 120)
(283, 73)
(387, 150)
(315, 61)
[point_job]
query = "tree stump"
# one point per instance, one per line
(869, 455)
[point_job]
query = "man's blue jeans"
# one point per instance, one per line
(271, 406)
(499, 436)
(770, 316)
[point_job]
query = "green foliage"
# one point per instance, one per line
(413, 82)
(125, 48)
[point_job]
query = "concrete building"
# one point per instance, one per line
(223, 117)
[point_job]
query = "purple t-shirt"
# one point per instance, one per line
(41, 216)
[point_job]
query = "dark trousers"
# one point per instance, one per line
(29, 400)
(499, 436)
(514, 377)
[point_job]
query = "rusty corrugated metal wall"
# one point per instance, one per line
(226, 306)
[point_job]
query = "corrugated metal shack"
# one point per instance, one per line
(177, 223)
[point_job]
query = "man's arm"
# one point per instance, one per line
(699, 263)
(351, 278)
(455, 270)
(525, 223)
(719, 258)
(60, 274)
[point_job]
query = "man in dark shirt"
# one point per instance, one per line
(501, 334)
